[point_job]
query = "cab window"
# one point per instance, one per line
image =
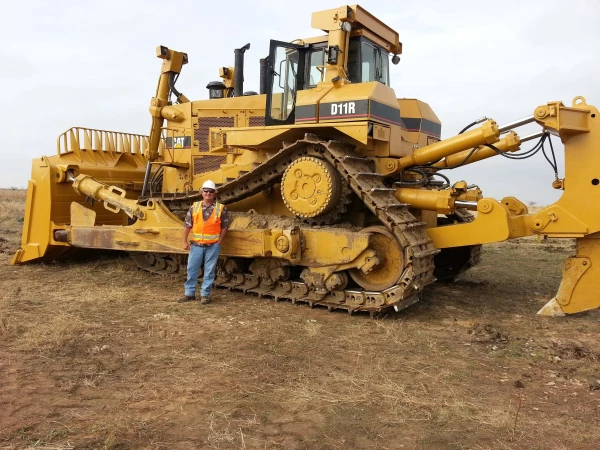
(316, 66)
(354, 61)
(284, 87)
(374, 64)
(367, 62)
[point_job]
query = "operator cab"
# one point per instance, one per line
(367, 61)
(293, 67)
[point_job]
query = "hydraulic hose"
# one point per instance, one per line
(172, 80)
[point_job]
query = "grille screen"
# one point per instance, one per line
(207, 163)
(256, 121)
(204, 124)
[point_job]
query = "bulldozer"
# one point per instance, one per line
(336, 187)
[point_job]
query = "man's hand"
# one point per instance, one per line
(222, 236)
(186, 235)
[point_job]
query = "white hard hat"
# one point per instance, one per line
(209, 184)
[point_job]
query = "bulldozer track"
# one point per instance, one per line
(359, 176)
(450, 263)
(475, 256)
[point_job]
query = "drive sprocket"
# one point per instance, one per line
(311, 187)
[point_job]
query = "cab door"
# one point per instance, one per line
(286, 76)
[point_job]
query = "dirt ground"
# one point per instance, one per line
(96, 354)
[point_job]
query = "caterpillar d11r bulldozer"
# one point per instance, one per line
(335, 186)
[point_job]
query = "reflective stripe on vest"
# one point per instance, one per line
(209, 231)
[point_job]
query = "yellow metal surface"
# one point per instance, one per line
(318, 244)
(112, 157)
(331, 21)
(579, 129)
(412, 108)
(509, 143)
(173, 61)
(160, 107)
(377, 40)
(227, 74)
(443, 202)
(271, 137)
(156, 229)
(266, 202)
(101, 147)
(310, 187)
(487, 133)
(556, 221)
(159, 231)
(112, 197)
(571, 215)
(313, 97)
(515, 206)
(82, 216)
(362, 19)
(494, 223)
(440, 201)
(580, 286)
(567, 121)
(347, 92)
(391, 261)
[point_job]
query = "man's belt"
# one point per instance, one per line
(197, 244)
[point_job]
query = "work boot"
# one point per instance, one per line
(186, 298)
(204, 300)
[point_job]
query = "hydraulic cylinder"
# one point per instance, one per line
(486, 134)
(113, 197)
(508, 143)
(444, 201)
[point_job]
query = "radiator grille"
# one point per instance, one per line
(204, 164)
(256, 121)
(204, 124)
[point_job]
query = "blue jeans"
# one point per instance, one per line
(199, 255)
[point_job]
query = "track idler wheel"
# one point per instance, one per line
(311, 187)
(391, 261)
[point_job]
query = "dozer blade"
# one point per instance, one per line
(579, 289)
(110, 157)
(35, 238)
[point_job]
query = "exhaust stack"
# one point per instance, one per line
(264, 64)
(238, 71)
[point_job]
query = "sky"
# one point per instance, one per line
(93, 64)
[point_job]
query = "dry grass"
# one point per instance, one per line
(52, 334)
(95, 354)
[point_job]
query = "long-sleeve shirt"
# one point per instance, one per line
(206, 212)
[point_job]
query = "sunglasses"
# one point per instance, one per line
(208, 191)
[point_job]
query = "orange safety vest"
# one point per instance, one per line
(206, 232)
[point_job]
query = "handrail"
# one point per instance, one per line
(77, 139)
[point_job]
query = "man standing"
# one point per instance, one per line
(207, 221)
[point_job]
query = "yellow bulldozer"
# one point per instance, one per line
(336, 187)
